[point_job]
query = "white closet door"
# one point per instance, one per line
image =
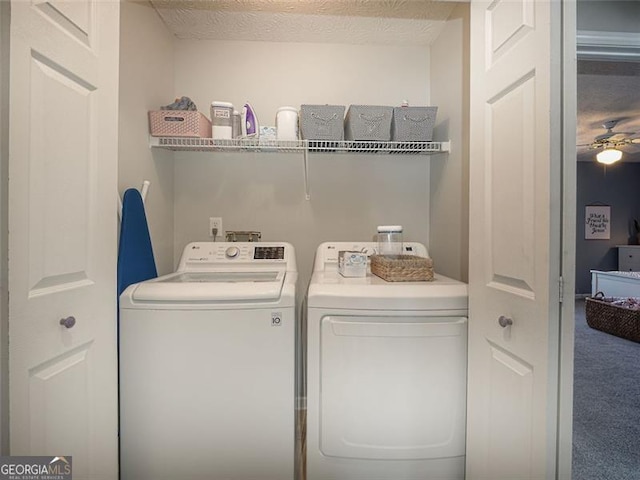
(62, 232)
(514, 266)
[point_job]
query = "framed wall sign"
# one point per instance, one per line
(597, 225)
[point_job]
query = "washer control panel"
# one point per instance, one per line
(201, 254)
(269, 253)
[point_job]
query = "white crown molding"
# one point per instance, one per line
(616, 46)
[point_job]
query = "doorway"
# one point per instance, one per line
(606, 383)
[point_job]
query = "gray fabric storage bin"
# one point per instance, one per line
(368, 122)
(322, 122)
(413, 124)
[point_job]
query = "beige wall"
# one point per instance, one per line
(146, 82)
(350, 194)
(449, 229)
(270, 75)
(4, 166)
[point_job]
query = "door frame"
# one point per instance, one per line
(568, 40)
(590, 45)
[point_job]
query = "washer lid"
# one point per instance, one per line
(212, 286)
(331, 290)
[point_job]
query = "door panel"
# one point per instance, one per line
(62, 232)
(511, 161)
(58, 420)
(507, 23)
(60, 176)
(74, 17)
(515, 231)
(511, 383)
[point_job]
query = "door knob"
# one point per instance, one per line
(68, 322)
(504, 321)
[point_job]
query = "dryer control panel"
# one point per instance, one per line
(327, 253)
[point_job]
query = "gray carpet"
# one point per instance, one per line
(606, 405)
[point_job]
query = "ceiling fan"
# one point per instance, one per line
(611, 142)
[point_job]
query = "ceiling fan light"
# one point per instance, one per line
(609, 156)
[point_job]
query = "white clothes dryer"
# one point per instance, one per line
(386, 373)
(207, 367)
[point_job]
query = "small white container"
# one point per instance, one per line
(222, 120)
(352, 264)
(287, 123)
(390, 240)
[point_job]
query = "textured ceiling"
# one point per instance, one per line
(387, 22)
(608, 91)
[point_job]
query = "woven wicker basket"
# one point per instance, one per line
(402, 268)
(614, 319)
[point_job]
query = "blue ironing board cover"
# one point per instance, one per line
(135, 253)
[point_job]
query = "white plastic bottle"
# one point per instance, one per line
(287, 123)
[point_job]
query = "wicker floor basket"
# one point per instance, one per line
(402, 268)
(614, 319)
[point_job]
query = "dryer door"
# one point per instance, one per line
(393, 387)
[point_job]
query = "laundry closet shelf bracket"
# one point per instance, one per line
(307, 193)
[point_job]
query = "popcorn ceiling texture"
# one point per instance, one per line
(386, 22)
(608, 91)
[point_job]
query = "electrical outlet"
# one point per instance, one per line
(215, 227)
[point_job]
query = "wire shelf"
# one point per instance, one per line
(311, 146)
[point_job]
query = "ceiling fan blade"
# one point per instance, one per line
(633, 148)
(630, 148)
(618, 137)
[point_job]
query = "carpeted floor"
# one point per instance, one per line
(606, 411)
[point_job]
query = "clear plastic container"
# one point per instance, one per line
(390, 240)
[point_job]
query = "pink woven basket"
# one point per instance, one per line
(179, 123)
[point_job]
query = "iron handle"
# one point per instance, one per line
(68, 322)
(505, 321)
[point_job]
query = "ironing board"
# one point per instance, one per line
(135, 253)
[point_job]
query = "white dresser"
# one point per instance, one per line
(629, 258)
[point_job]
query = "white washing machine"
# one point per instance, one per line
(207, 367)
(386, 374)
